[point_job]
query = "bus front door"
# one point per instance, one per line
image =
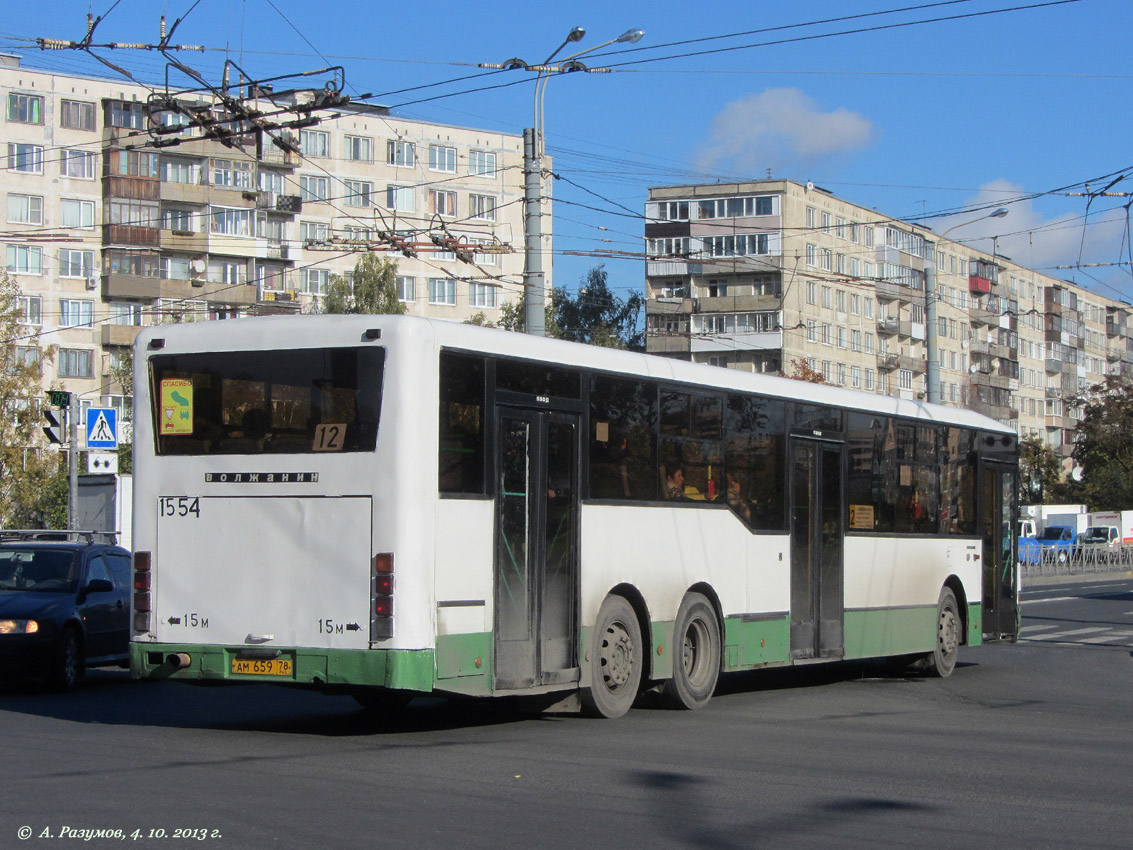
(536, 553)
(1000, 565)
(816, 550)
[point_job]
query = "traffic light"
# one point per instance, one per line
(54, 429)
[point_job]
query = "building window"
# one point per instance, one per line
(811, 217)
(127, 115)
(401, 153)
(314, 143)
(400, 198)
(25, 108)
(312, 231)
(125, 313)
(74, 213)
(736, 246)
(180, 171)
(855, 340)
(442, 290)
(25, 209)
(25, 158)
(442, 158)
(76, 263)
(811, 255)
(482, 207)
(175, 268)
(406, 288)
(271, 181)
(23, 259)
(30, 310)
(231, 222)
(905, 378)
(812, 293)
(77, 164)
(314, 281)
(76, 115)
(74, 313)
(358, 193)
(856, 377)
(231, 174)
(26, 356)
(313, 188)
(869, 379)
(74, 363)
(825, 334)
(811, 330)
(481, 295)
(232, 272)
(359, 148)
(442, 203)
(137, 164)
(481, 163)
(673, 210)
(179, 220)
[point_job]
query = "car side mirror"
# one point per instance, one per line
(98, 585)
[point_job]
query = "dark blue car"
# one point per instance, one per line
(64, 605)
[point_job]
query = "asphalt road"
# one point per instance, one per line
(1024, 746)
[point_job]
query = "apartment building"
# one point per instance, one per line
(773, 275)
(120, 216)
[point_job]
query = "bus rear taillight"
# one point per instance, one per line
(142, 576)
(381, 595)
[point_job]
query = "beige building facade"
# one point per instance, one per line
(774, 275)
(118, 217)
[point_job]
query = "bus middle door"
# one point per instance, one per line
(536, 553)
(817, 591)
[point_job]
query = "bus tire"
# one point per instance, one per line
(616, 659)
(696, 667)
(942, 659)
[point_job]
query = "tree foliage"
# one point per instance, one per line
(27, 465)
(1040, 472)
(1103, 446)
(596, 315)
(374, 288)
(800, 371)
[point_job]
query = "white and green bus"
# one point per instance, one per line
(393, 506)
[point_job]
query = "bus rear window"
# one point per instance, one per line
(267, 402)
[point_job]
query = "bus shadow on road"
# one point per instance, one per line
(113, 698)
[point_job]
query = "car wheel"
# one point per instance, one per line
(68, 667)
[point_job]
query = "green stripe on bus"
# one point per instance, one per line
(405, 669)
(752, 643)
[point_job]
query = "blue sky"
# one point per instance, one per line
(920, 120)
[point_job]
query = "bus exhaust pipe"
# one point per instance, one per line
(178, 660)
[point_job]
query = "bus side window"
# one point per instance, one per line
(460, 453)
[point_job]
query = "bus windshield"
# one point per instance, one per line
(267, 402)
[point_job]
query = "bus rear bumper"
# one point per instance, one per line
(401, 669)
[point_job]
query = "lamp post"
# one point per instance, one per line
(932, 365)
(534, 282)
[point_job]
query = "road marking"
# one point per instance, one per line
(1036, 628)
(1110, 637)
(1051, 599)
(1060, 635)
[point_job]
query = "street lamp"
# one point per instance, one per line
(533, 150)
(932, 364)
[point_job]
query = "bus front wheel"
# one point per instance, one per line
(942, 660)
(696, 640)
(615, 660)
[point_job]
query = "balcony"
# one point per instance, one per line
(665, 343)
(119, 334)
(913, 330)
(979, 316)
(115, 286)
(888, 362)
(278, 157)
(130, 235)
(889, 325)
(768, 341)
(888, 291)
(279, 203)
(666, 306)
(184, 241)
(738, 304)
(186, 193)
(133, 188)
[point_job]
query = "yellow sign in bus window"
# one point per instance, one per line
(176, 406)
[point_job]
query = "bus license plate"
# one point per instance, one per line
(262, 666)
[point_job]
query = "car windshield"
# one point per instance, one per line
(1054, 533)
(38, 569)
(1094, 535)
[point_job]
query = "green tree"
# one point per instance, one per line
(27, 465)
(1040, 472)
(374, 288)
(122, 372)
(596, 315)
(1103, 447)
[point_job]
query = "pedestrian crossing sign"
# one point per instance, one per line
(102, 428)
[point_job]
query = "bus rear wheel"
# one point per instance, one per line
(696, 640)
(942, 660)
(616, 659)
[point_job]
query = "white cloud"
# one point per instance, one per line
(782, 129)
(1036, 242)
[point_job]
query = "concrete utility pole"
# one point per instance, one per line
(533, 280)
